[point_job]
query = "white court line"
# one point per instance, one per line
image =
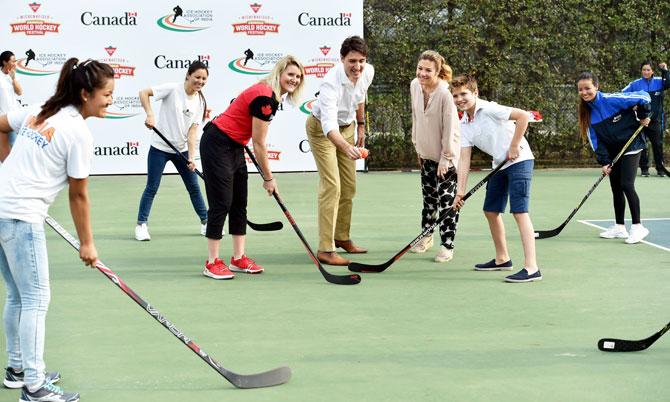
(642, 241)
(643, 219)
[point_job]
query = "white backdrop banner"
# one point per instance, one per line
(153, 42)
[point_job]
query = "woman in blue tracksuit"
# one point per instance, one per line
(608, 121)
(654, 86)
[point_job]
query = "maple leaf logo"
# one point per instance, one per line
(255, 7)
(324, 49)
(34, 6)
(266, 110)
(110, 50)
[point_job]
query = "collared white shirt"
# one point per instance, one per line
(492, 131)
(339, 97)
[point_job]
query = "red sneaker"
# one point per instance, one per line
(217, 270)
(245, 264)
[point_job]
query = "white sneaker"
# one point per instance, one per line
(203, 230)
(444, 255)
(615, 232)
(637, 233)
(423, 245)
(142, 232)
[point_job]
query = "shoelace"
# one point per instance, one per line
(49, 386)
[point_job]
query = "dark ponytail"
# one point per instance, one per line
(74, 77)
(195, 66)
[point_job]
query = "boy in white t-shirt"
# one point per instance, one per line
(491, 127)
(54, 148)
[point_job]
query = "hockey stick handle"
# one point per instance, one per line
(627, 144)
(143, 304)
(199, 173)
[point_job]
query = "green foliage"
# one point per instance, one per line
(525, 53)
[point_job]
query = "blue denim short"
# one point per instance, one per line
(513, 181)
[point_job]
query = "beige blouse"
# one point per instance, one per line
(436, 129)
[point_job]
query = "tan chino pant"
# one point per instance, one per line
(337, 184)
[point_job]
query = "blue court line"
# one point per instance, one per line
(658, 230)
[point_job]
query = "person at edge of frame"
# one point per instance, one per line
(337, 115)
(498, 131)
(608, 120)
(10, 87)
(655, 87)
(183, 109)
(53, 148)
(436, 137)
(224, 165)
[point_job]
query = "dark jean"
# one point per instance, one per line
(513, 181)
(155, 166)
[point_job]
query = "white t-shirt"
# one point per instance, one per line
(41, 161)
(492, 131)
(178, 113)
(339, 98)
(8, 100)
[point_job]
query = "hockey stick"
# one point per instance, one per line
(543, 234)
(259, 227)
(352, 279)
(360, 267)
(277, 376)
(623, 345)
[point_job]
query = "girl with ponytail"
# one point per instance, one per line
(53, 148)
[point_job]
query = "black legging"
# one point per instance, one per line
(622, 181)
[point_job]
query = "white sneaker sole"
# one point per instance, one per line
(523, 280)
(219, 277)
(244, 270)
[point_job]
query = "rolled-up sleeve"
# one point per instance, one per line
(328, 98)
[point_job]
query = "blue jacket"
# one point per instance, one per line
(654, 87)
(613, 121)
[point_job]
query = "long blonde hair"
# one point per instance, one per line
(443, 69)
(272, 79)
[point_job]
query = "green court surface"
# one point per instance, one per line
(420, 331)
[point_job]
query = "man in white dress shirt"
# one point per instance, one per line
(337, 115)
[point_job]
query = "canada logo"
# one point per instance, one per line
(118, 64)
(255, 25)
(34, 24)
(181, 20)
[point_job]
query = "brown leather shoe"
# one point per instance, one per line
(331, 258)
(350, 247)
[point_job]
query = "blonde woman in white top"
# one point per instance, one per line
(436, 138)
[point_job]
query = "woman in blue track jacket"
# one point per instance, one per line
(655, 87)
(608, 121)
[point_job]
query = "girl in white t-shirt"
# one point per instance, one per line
(9, 86)
(54, 148)
(183, 108)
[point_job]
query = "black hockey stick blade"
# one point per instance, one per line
(376, 268)
(267, 379)
(664, 170)
(544, 234)
(265, 227)
(259, 227)
(623, 345)
(335, 279)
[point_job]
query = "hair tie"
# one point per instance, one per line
(74, 67)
